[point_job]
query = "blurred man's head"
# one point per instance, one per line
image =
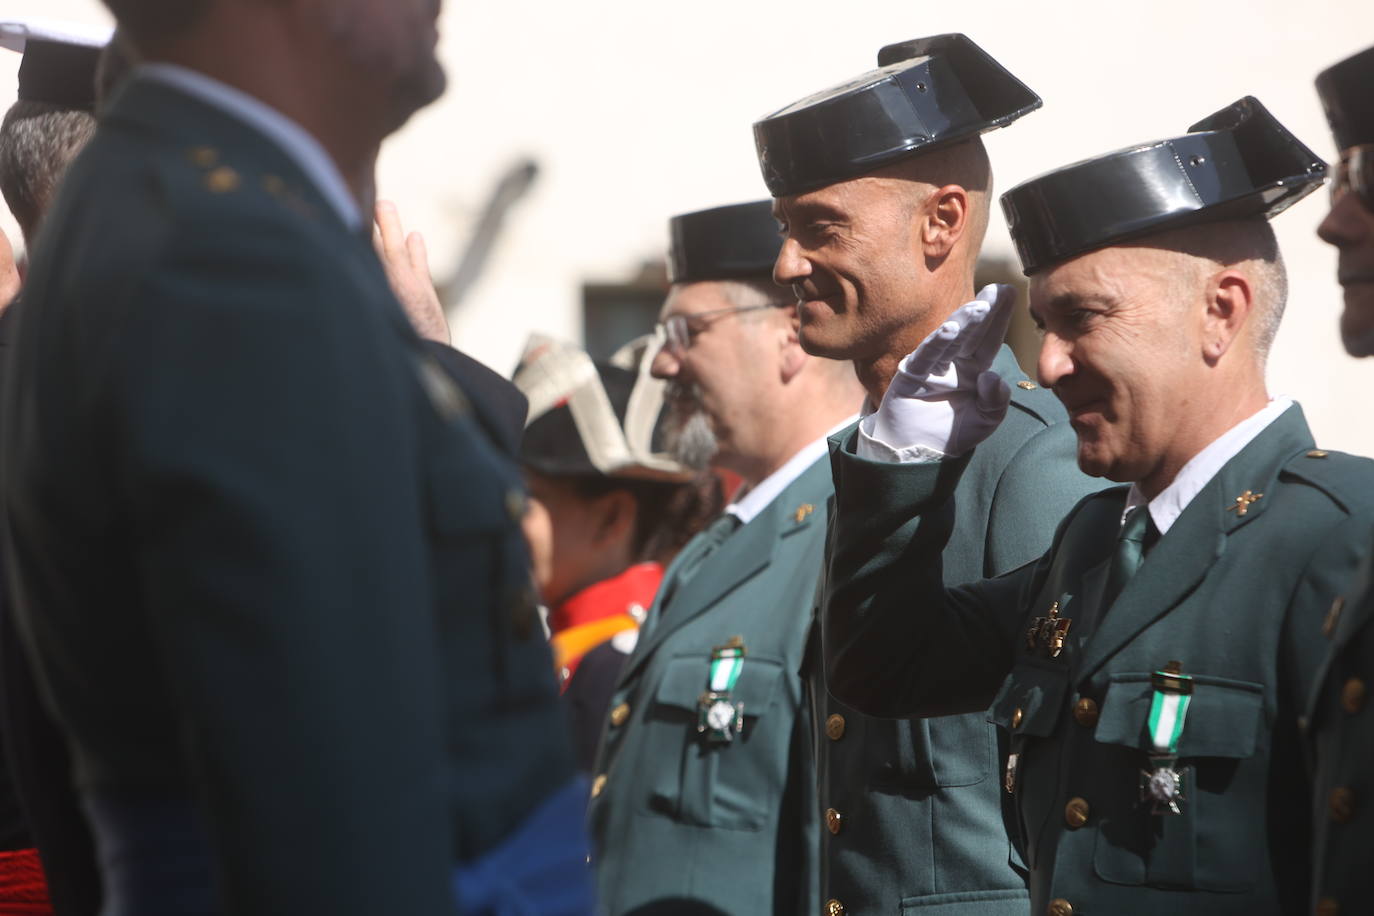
(1347, 93)
(741, 391)
(372, 60)
(53, 118)
(1158, 284)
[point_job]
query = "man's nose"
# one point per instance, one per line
(790, 265)
(1348, 222)
(665, 364)
(1054, 362)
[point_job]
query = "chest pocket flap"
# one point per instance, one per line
(1030, 701)
(686, 677)
(1224, 716)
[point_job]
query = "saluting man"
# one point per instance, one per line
(701, 798)
(1149, 668)
(1338, 722)
(884, 187)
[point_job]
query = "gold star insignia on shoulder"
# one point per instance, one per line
(1026, 385)
(1243, 501)
(223, 180)
(802, 512)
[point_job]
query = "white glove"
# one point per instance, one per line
(945, 398)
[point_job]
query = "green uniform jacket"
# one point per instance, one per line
(1237, 597)
(1340, 727)
(912, 808)
(265, 559)
(682, 825)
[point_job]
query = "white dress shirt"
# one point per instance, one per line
(293, 139)
(746, 507)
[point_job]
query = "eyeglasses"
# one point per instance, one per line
(679, 330)
(1355, 172)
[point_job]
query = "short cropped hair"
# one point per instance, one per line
(1251, 245)
(155, 20)
(38, 141)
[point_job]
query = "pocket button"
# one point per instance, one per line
(834, 727)
(834, 821)
(1085, 712)
(1059, 907)
(1076, 813)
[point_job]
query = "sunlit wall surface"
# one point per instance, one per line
(634, 111)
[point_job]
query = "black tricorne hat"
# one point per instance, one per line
(60, 61)
(1238, 163)
(735, 242)
(1347, 94)
(926, 93)
(592, 419)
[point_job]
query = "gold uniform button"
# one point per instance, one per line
(598, 785)
(223, 180)
(1328, 906)
(1059, 907)
(1017, 715)
(1025, 385)
(1076, 813)
(620, 714)
(834, 908)
(1317, 453)
(1353, 695)
(1341, 804)
(1085, 712)
(834, 727)
(833, 820)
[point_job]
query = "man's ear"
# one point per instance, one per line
(615, 517)
(944, 218)
(1230, 306)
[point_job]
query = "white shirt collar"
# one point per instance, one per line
(747, 507)
(293, 139)
(1202, 467)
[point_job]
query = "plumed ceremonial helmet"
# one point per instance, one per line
(592, 418)
(60, 60)
(1347, 94)
(926, 93)
(735, 242)
(1237, 163)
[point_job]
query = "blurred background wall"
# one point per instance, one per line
(571, 131)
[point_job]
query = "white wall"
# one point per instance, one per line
(636, 111)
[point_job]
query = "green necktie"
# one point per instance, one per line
(1138, 534)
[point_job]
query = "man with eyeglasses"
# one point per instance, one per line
(1337, 722)
(702, 795)
(883, 228)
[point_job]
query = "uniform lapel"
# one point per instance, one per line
(743, 555)
(1198, 538)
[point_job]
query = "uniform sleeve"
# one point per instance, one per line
(887, 653)
(268, 441)
(1037, 489)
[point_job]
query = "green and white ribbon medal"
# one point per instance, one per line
(719, 717)
(1163, 783)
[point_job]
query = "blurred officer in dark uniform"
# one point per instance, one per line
(702, 799)
(42, 133)
(619, 509)
(884, 188)
(1343, 828)
(270, 570)
(1149, 669)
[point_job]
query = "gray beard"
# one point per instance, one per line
(688, 437)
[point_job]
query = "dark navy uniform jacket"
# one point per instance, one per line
(266, 560)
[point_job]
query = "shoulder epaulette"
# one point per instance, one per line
(1347, 479)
